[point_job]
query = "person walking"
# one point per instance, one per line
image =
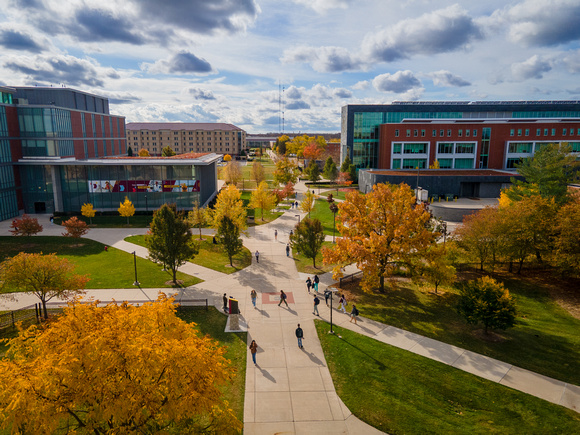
(316, 302)
(253, 295)
(327, 294)
(282, 298)
(342, 304)
(257, 254)
(291, 233)
(316, 281)
(288, 250)
(276, 235)
(308, 284)
(299, 336)
(254, 350)
(225, 298)
(353, 314)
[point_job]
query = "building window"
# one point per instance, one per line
(474, 133)
(467, 132)
(396, 133)
(464, 148)
(512, 131)
(414, 163)
(553, 132)
(441, 133)
(445, 148)
(538, 132)
(449, 133)
(575, 147)
(460, 133)
(527, 131)
(545, 132)
(434, 133)
(445, 163)
(422, 133)
(396, 164)
(408, 133)
(416, 133)
(415, 148)
(463, 163)
(564, 131)
(519, 131)
(572, 131)
(397, 148)
(512, 162)
(520, 148)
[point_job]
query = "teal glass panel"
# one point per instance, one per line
(396, 164)
(463, 163)
(445, 163)
(414, 163)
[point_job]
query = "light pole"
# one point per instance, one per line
(444, 232)
(333, 209)
(136, 283)
(331, 298)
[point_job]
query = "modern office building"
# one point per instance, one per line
(186, 137)
(458, 135)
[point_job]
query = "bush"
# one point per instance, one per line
(25, 226)
(75, 227)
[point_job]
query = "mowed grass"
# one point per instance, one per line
(259, 219)
(106, 221)
(545, 339)
(399, 392)
(210, 255)
(213, 323)
(107, 269)
(324, 215)
(304, 264)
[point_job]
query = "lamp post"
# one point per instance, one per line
(444, 232)
(333, 209)
(331, 298)
(136, 283)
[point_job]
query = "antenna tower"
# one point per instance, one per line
(280, 107)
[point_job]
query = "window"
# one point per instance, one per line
(572, 131)
(408, 133)
(449, 133)
(441, 133)
(512, 131)
(545, 132)
(415, 148)
(467, 132)
(397, 148)
(396, 164)
(463, 163)
(422, 133)
(474, 133)
(520, 148)
(464, 148)
(553, 132)
(445, 148)
(445, 163)
(564, 132)
(575, 147)
(414, 163)
(511, 163)
(460, 133)
(396, 133)
(519, 131)
(538, 132)
(527, 131)
(416, 133)
(434, 133)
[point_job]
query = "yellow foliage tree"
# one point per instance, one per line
(115, 369)
(286, 172)
(87, 210)
(382, 231)
(126, 209)
(307, 204)
(143, 153)
(198, 217)
(258, 172)
(262, 198)
(232, 173)
(227, 158)
(229, 204)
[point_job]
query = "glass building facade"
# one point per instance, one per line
(8, 202)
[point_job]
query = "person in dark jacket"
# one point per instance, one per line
(299, 336)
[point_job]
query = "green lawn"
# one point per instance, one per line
(304, 264)
(324, 215)
(138, 221)
(399, 392)
(107, 269)
(213, 323)
(210, 255)
(269, 216)
(544, 340)
(340, 195)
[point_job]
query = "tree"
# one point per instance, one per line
(129, 152)
(263, 199)
(227, 158)
(313, 171)
(480, 236)
(308, 238)
(167, 152)
(232, 173)
(45, 276)
(116, 369)
(313, 151)
(25, 226)
(300, 143)
(144, 153)
(567, 241)
(435, 165)
(307, 204)
(198, 217)
(258, 173)
(381, 232)
(169, 240)
(436, 267)
(488, 302)
(344, 167)
(75, 227)
(229, 204)
(228, 235)
(126, 209)
(352, 174)
(330, 170)
(87, 210)
(280, 145)
(288, 189)
(286, 172)
(551, 169)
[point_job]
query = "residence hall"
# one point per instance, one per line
(458, 135)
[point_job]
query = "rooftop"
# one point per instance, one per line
(179, 126)
(443, 172)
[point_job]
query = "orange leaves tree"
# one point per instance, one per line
(46, 276)
(382, 231)
(75, 227)
(25, 226)
(115, 369)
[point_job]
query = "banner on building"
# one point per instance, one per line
(136, 186)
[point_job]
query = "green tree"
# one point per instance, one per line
(313, 171)
(353, 175)
(286, 172)
(129, 152)
(167, 152)
(436, 267)
(488, 302)
(169, 240)
(308, 238)
(280, 145)
(330, 170)
(228, 235)
(307, 204)
(567, 241)
(345, 166)
(263, 199)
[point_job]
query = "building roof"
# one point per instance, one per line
(198, 159)
(442, 172)
(178, 126)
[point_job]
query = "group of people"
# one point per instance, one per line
(311, 284)
(341, 305)
(294, 205)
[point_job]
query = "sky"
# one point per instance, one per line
(245, 62)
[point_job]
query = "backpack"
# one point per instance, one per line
(355, 311)
(284, 296)
(316, 301)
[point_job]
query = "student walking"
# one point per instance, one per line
(299, 336)
(254, 350)
(342, 304)
(316, 281)
(353, 314)
(282, 298)
(316, 302)
(257, 254)
(225, 299)
(253, 295)
(308, 284)
(276, 235)
(288, 250)
(327, 294)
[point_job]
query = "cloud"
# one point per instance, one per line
(532, 68)
(121, 97)
(13, 40)
(201, 94)
(572, 62)
(293, 93)
(322, 6)
(322, 59)
(342, 93)
(181, 63)
(439, 31)
(57, 69)
(361, 86)
(447, 79)
(102, 25)
(398, 83)
(297, 105)
(541, 23)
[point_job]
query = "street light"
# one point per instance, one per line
(331, 298)
(136, 283)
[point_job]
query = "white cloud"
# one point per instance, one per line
(398, 83)
(532, 68)
(322, 6)
(180, 63)
(447, 79)
(322, 59)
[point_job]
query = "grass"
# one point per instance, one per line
(545, 338)
(138, 221)
(269, 216)
(399, 392)
(304, 264)
(210, 255)
(324, 215)
(340, 195)
(108, 269)
(213, 323)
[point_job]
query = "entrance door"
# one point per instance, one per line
(40, 207)
(469, 190)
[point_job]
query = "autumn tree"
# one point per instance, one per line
(229, 204)
(87, 210)
(289, 190)
(45, 276)
(169, 240)
(126, 209)
(480, 236)
(143, 153)
(167, 152)
(198, 217)
(228, 235)
(116, 369)
(258, 172)
(381, 231)
(313, 171)
(313, 151)
(300, 143)
(280, 146)
(436, 267)
(308, 238)
(75, 227)
(307, 204)
(227, 158)
(232, 173)
(488, 302)
(330, 170)
(567, 240)
(286, 171)
(25, 226)
(263, 199)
